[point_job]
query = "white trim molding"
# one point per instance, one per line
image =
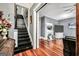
(36, 25)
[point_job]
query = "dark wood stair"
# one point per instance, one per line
(24, 42)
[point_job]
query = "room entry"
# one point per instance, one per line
(56, 26)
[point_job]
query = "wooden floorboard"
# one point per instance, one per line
(47, 48)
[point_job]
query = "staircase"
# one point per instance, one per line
(24, 42)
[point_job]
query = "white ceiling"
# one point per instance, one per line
(27, 5)
(57, 10)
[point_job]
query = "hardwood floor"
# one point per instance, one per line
(47, 48)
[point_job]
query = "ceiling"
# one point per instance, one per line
(27, 5)
(58, 11)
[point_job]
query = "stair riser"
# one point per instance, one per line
(23, 41)
(23, 36)
(22, 33)
(22, 30)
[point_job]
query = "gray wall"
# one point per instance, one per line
(68, 31)
(42, 26)
(46, 20)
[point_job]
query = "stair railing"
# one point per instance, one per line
(28, 30)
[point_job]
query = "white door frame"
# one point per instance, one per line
(36, 25)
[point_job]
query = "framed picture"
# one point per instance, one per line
(30, 19)
(72, 25)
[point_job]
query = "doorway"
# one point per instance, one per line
(48, 40)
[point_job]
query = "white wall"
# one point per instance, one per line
(31, 14)
(68, 31)
(8, 9)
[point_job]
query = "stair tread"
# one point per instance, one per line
(23, 36)
(24, 39)
(21, 33)
(23, 43)
(23, 47)
(20, 49)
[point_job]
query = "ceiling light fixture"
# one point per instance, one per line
(65, 15)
